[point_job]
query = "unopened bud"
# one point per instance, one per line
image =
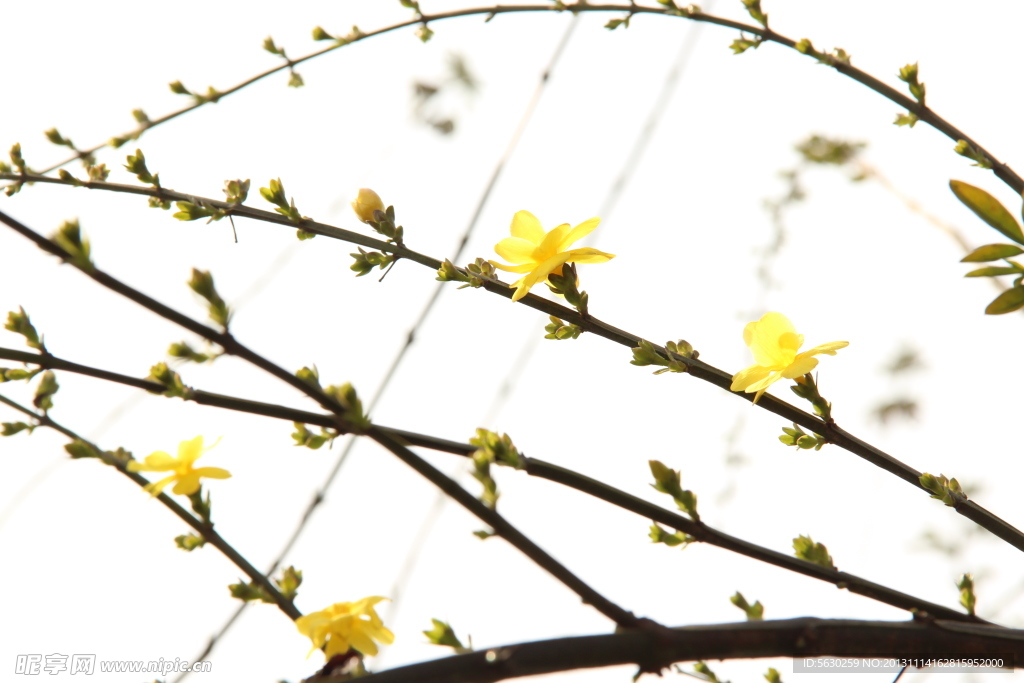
(366, 203)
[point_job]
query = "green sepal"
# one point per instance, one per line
(185, 351)
(81, 449)
(667, 480)
(557, 329)
(424, 33)
(193, 211)
(443, 634)
(309, 375)
(320, 34)
(289, 581)
(755, 12)
(201, 283)
(948, 491)
(236, 191)
(19, 323)
(964, 149)
(498, 449)
(137, 165)
(45, 391)
(365, 261)
(807, 549)
(742, 44)
(303, 437)
(12, 428)
(353, 413)
(189, 542)
(967, 597)
(754, 612)
(69, 237)
(909, 75)
(18, 374)
(706, 674)
(678, 538)
(171, 381)
(908, 119)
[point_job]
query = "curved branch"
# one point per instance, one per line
(617, 614)
(696, 368)
(543, 470)
(802, 637)
(1001, 170)
(205, 530)
(242, 405)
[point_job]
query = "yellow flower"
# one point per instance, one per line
(186, 475)
(365, 203)
(346, 625)
(539, 253)
(775, 343)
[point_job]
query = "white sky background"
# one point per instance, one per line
(89, 561)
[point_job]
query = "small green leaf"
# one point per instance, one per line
(992, 271)
(1007, 302)
(988, 209)
(992, 252)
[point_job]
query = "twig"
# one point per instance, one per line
(205, 530)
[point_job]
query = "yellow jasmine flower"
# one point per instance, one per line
(775, 343)
(539, 253)
(365, 203)
(186, 476)
(346, 625)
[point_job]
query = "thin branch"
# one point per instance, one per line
(242, 405)
(502, 528)
(396, 446)
(696, 368)
(543, 470)
(711, 536)
(923, 113)
(797, 638)
(205, 530)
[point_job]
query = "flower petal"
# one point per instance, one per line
(745, 378)
(801, 366)
(578, 233)
(764, 383)
(541, 272)
(157, 487)
(588, 255)
(521, 268)
(516, 250)
(771, 340)
(187, 483)
(526, 226)
(552, 241)
(158, 461)
(830, 348)
(189, 451)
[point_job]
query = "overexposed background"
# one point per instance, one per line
(90, 565)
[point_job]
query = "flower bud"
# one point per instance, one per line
(366, 203)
